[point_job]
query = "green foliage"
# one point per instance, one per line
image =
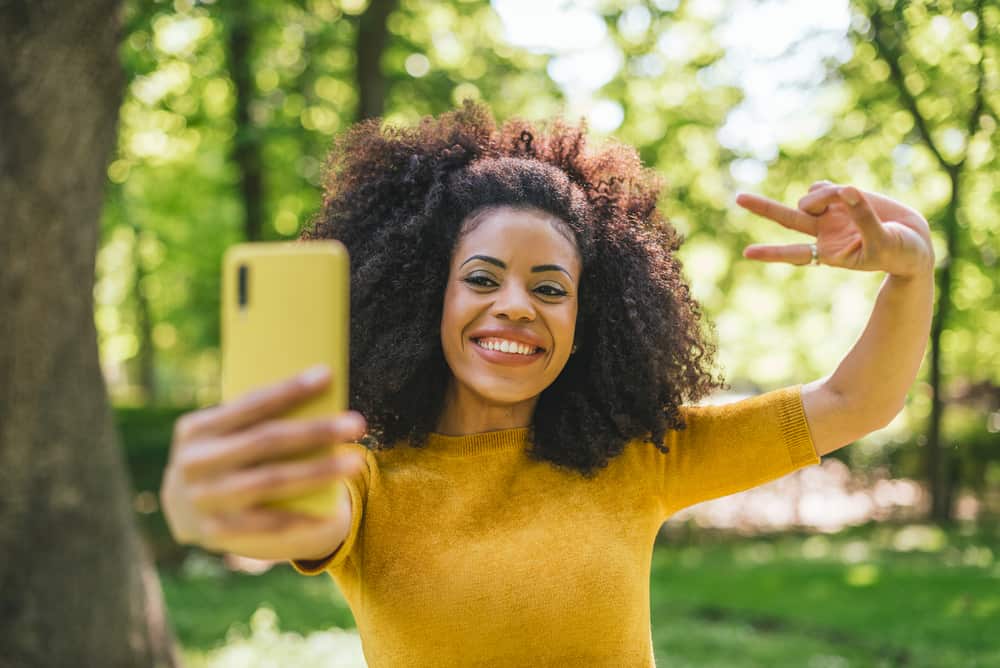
(146, 434)
(443, 52)
(171, 208)
(915, 110)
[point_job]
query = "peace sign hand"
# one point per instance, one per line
(853, 229)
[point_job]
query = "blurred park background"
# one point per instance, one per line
(886, 554)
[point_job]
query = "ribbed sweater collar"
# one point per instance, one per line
(485, 442)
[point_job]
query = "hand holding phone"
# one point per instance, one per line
(229, 463)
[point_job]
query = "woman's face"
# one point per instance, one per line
(510, 305)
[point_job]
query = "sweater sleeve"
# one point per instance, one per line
(357, 486)
(733, 447)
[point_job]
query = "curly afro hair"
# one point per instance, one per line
(399, 199)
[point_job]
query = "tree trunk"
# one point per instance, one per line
(78, 587)
(246, 152)
(373, 31)
(939, 460)
(146, 355)
(940, 470)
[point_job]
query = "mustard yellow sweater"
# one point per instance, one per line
(468, 553)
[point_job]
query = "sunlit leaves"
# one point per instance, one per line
(442, 53)
(876, 141)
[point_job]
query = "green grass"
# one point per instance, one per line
(873, 596)
(204, 606)
(854, 599)
(146, 433)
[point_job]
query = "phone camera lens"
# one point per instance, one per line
(243, 284)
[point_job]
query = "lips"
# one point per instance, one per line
(520, 336)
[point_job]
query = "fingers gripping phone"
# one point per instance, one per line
(285, 308)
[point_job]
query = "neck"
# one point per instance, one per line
(466, 412)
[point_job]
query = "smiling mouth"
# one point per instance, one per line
(516, 352)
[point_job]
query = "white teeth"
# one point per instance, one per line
(507, 346)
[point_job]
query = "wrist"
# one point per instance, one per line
(914, 275)
(921, 268)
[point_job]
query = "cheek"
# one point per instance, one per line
(568, 324)
(453, 320)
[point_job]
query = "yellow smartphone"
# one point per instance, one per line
(285, 308)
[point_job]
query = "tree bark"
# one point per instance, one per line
(78, 586)
(373, 32)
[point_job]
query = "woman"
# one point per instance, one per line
(523, 346)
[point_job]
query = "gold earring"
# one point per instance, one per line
(573, 350)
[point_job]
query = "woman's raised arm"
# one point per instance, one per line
(865, 232)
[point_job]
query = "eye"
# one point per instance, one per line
(552, 291)
(480, 280)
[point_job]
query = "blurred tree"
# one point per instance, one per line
(672, 101)
(172, 204)
(240, 25)
(373, 34)
(146, 351)
(78, 585)
(954, 73)
(440, 53)
(914, 115)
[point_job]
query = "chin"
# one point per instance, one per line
(504, 395)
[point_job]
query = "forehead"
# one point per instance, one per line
(511, 234)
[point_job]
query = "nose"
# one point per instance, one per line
(514, 303)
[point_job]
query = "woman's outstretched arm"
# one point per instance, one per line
(866, 232)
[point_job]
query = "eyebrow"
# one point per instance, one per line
(500, 263)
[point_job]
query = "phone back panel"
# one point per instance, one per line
(294, 314)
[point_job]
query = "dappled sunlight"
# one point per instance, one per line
(986, 607)
(266, 646)
(824, 498)
(862, 575)
(920, 538)
(964, 605)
